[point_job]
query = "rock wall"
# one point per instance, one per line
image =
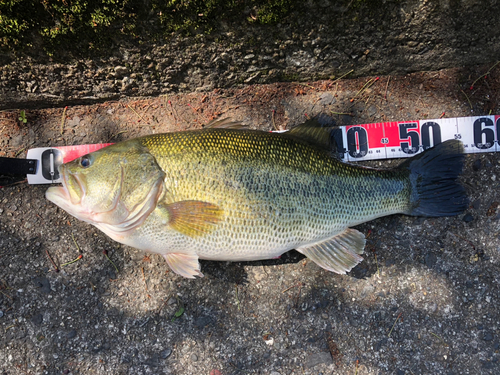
(326, 39)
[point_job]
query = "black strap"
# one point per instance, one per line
(11, 166)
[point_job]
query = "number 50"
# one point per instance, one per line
(429, 131)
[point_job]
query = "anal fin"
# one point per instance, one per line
(338, 254)
(186, 265)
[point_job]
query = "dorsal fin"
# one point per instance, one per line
(225, 123)
(319, 131)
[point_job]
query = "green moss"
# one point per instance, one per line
(74, 28)
(77, 26)
(287, 77)
(271, 12)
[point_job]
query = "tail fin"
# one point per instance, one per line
(433, 178)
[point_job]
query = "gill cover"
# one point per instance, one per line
(114, 188)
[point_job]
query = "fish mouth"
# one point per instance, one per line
(74, 186)
(57, 194)
(115, 218)
(71, 197)
(70, 194)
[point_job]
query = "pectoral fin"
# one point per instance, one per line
(192, 218)
(338, 254)
(186, 265)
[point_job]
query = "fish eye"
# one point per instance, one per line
(85, 161)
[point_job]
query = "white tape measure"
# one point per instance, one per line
(50, 158)
(384, 140)
(401, 139)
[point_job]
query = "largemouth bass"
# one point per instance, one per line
(241, 195)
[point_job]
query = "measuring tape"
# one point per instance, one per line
(401, 139)
(385, 140)
(50, 158)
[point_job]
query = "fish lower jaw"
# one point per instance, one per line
(56, 194)
(60, 197)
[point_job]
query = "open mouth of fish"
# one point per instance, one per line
(68, 199)
(71, 198)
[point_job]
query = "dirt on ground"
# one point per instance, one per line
(425, 300)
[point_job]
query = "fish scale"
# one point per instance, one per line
(262, 186)
(239, 195)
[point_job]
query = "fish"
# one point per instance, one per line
(233, 194)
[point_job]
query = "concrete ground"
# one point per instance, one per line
(424, 301)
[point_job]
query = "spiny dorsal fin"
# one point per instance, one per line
(186, 265)
(192, 218)
(225, 123)
(338, 254)
(318, 131)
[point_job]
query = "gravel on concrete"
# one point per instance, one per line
(424, 301)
